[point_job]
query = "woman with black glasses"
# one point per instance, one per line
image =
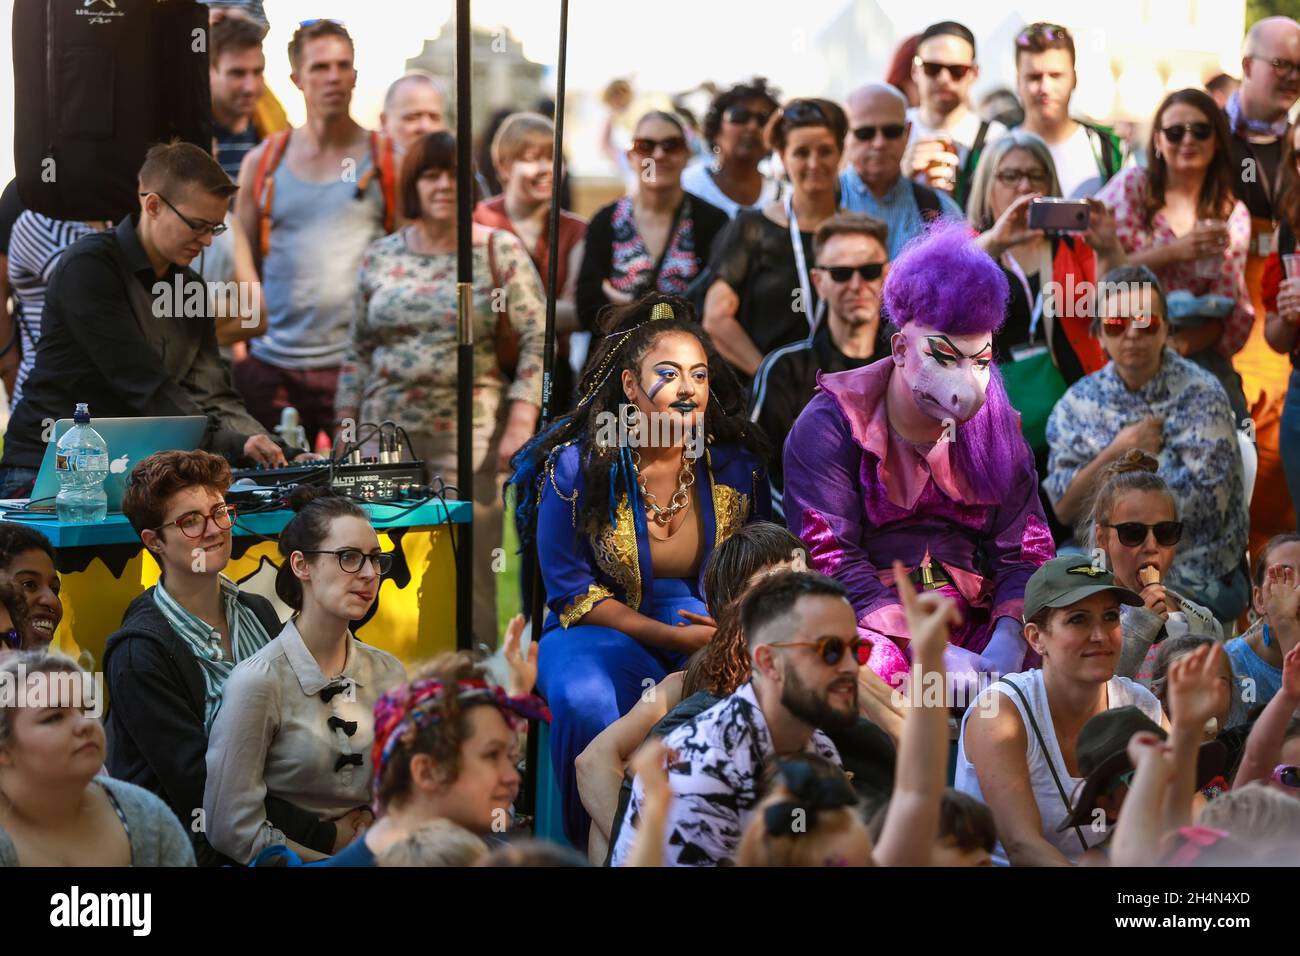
(297, 718)
(761, 295)
(657, 239)
(1180, 218)
(734, 128)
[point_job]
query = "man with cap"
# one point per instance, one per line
(919, 456)
(1019, 749)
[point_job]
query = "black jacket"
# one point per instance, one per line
(156, 733)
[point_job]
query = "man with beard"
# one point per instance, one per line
(803, 644)
(919, 457)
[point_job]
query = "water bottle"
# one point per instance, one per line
(81, 461)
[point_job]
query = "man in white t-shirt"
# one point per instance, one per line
(946, 133)
(1086, 155)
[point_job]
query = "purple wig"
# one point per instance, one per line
(944, 281)
(989, 450)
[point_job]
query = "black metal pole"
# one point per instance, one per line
(464, 325)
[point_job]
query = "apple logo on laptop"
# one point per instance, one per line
(118, 465)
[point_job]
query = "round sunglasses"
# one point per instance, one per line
(351, 560)
(1200, 132)
(1131, 534)
(890, 131)
(829, 649)
(647, 147)
(1288, 775)
(870, 271)
(193, 524)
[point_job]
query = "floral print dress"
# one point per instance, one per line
(401, 360)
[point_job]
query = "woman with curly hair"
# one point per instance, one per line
(626, 498)
(733, 127)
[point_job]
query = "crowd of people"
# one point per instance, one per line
(864, 539)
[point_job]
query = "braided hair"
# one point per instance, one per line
(606, 469)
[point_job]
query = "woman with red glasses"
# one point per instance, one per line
(1151, 398)
(657, 239)
(1134, 523)
(1179, 217)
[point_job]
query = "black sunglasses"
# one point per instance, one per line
(351, 560)
(740, 116)
(889, 131)
(957, 71)
(869, 271)
(829, 649)
(647, 147)
(1133, 533)
(1200, 132)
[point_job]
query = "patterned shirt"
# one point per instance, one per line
(35, 245)
(714, 780)
(897, 208)
(633, 267)
(247, 637)
(1126, 196)
(401, 360)
(1200, 459)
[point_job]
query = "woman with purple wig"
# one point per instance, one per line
(919, 457)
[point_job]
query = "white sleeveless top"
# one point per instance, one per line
(1121, 692)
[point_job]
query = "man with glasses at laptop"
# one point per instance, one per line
(116, 336)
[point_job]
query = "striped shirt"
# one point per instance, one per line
(246, 638)
(897, 209)
(35, 246)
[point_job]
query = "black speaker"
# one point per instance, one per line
(96, 83)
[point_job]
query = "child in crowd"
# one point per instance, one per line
(966, 832)
(1257, 654)
(436, 843)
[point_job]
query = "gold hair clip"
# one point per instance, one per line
(661, 310)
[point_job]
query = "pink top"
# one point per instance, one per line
(1126, 196)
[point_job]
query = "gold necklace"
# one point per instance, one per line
(680, 499)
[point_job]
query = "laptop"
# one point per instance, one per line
(129, 440)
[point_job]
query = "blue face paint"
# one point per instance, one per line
(660, 381)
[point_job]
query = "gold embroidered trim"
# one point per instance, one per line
(578, 608)
(730, 508)
(616, 553)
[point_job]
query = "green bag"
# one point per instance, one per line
(1034, 385)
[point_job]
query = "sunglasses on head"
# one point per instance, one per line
(1288, 775)
(829, 649)
(1118, 324)
(870, 271)
(1133, 533)
(957, 71)
(740, 116)
(889, 131)
(800, 112)
(1200, 132)
(643, 146)
(1041, 32)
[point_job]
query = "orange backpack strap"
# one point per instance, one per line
(382, 157)
(264, 186)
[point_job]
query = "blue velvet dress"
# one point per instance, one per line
(592, 675)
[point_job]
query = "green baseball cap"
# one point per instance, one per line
(1069, 579)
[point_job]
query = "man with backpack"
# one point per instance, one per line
(311, 200)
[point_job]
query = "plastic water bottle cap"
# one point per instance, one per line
(82, 414)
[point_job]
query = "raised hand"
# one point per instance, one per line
(1291, 674)
(1146, 745)
(650, 764)
(523, 667)
(1195, 689)
(1281, 599)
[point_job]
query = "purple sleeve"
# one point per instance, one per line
(823, 503)
(1019, 541)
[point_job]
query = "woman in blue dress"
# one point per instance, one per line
(630, 493)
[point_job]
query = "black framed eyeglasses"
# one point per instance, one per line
(1012, 177)
(351, 560)
(1133, 533)
(1200, 132)
(1281, 68)
(870, 271)
(957, 71)
(193, 524)
(829, 649)
(740, 116)
(197, 226)
(890, 131)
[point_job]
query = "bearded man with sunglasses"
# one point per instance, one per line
(851, 262)
(116, 335)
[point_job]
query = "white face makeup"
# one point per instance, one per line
(948, 374)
